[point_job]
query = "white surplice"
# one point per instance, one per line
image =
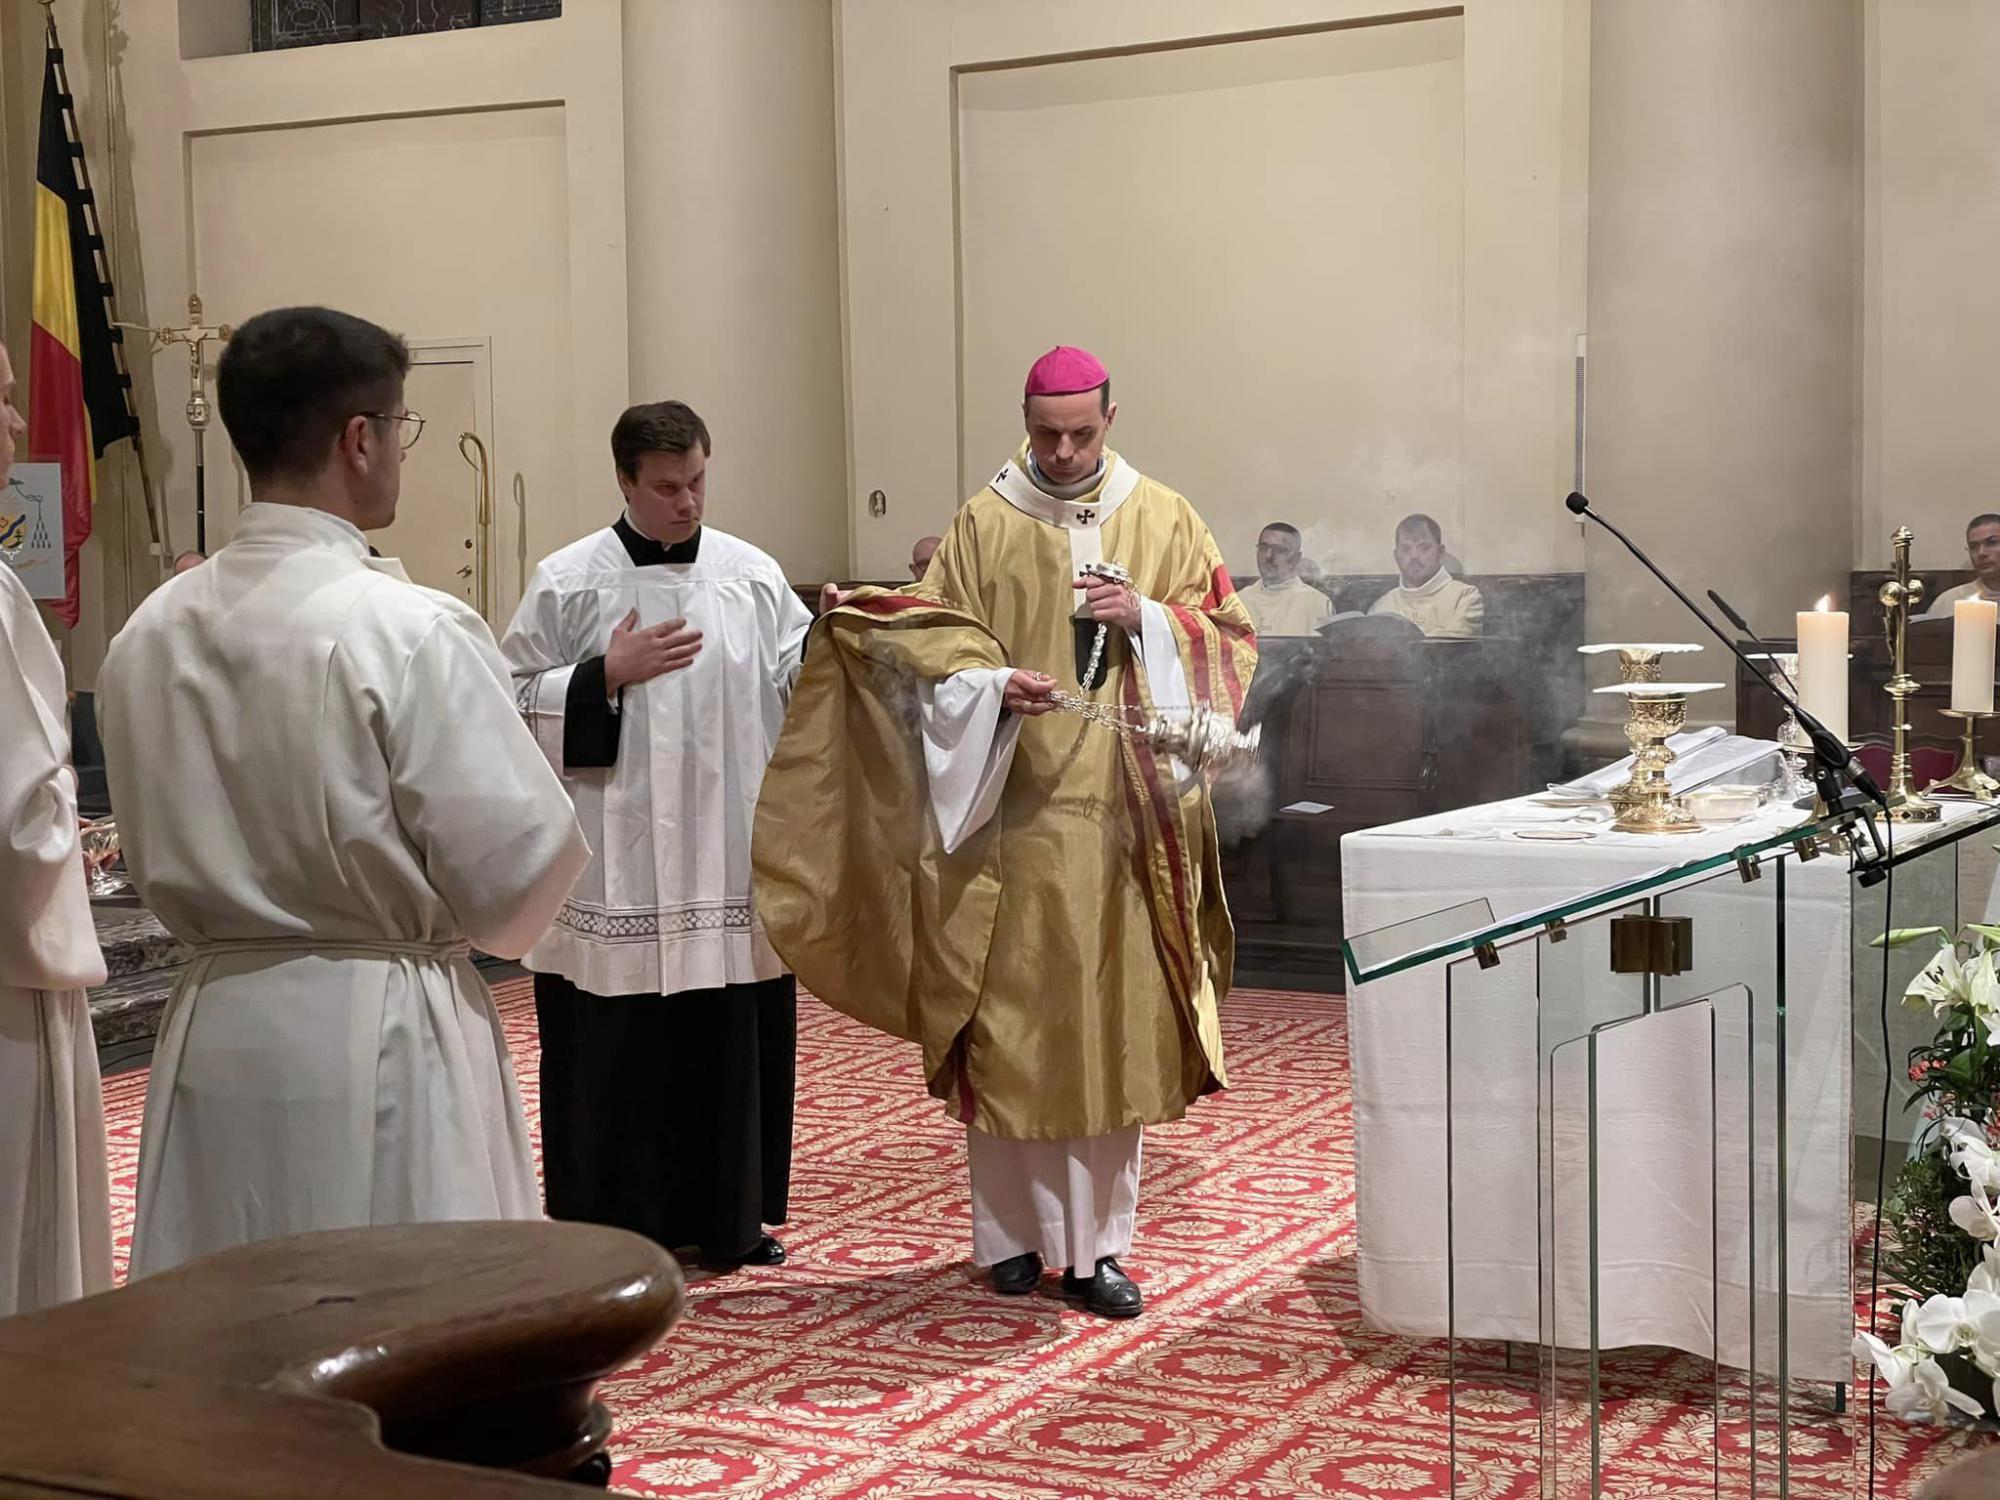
(55, 1203)
(323, 788)
(666, 907)
(1070, 1201)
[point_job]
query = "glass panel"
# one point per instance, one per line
(1369, 954)
(1935, 883)
(1738, 975)
(1963, 821)
(1492, 1254)
(1514, 1360)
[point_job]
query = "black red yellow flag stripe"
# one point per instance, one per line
(78, 403)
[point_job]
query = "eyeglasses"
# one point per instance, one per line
(412, 424)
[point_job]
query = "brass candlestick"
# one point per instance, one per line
(1899, 598)
(1968, 778)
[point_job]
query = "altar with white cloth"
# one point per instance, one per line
(1667, 1276)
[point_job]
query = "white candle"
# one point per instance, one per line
(1972, 627)
(1823, 666)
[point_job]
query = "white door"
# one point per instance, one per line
(437, 532)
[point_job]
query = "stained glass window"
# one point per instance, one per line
(311, 23)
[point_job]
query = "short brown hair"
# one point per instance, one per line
(655, 427)
(291, 379)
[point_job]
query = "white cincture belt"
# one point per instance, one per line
(332, 947)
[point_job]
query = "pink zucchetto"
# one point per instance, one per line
(1064, 371)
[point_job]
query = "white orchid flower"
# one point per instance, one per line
(1969, 1149)
(1982, 1318)
(1939, 985)
(1926, 1396)
(1985, 1276)
(1942, 1325)
(1977, 1214)
(1895, 1364)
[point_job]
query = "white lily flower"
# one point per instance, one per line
(1939, 985)
(1977, 1214)
(1981, 984)
(1926, 1396)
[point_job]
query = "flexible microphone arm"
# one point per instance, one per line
(1744, 625)
(1828, 748)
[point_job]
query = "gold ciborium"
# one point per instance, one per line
(1638, 661)
(1655, 711)
(1900, 598)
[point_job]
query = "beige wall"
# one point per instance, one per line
(1521, 228)
(725, 293)
(1307, 365)
(1724, 294)
(1931, 310)
(273, 213)
(732, 235)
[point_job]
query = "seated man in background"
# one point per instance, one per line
(1280, 601)
(1429, 597)
(920, 556)
(1982, 548)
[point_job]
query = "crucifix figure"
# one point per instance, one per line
(197, 337)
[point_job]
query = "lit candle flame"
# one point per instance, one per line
(1825, 604)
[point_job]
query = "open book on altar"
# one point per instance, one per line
(1702, 757)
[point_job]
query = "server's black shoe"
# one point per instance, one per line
(1110, 1293)
(766, 1252)
(1018, 1276)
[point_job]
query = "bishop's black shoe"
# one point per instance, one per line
(1110, 1293)
(1018, 1276)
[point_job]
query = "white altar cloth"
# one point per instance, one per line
(1657, 1252)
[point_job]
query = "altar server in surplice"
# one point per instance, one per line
(55, 1208)
(323, 788)
(654, 660)
(1033, 898)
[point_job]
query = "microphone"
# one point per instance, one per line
(1744, 625)
(1828, 748)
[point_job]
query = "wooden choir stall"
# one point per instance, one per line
(1370, 723)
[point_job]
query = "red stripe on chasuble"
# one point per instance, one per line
(891, 604)
(1220, 586)
(1147, 763)
(1232, 680)
(1197, 639)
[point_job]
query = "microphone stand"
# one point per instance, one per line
(1832, 762)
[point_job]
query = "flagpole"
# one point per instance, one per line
(156, 519)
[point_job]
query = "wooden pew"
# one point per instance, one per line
(470, 1343)
(1380, 725)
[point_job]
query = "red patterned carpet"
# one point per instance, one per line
(876, 1367)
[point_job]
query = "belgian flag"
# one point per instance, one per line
(78, 402)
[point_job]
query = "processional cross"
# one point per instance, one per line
(197, 336)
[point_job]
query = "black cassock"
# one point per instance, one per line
(669, 1115)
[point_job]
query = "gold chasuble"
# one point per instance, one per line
(1061, 968)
